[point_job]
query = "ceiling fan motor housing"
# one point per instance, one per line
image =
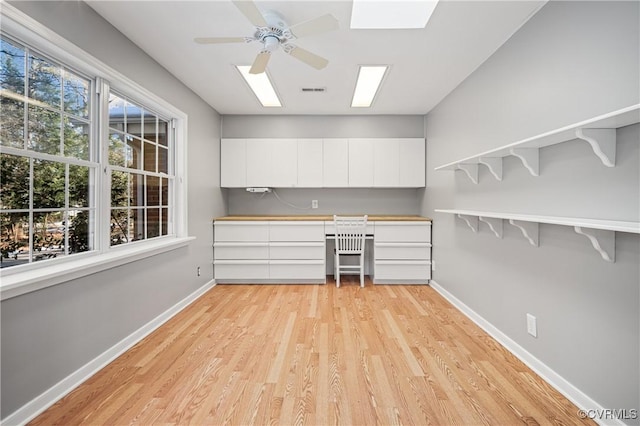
(275, 33)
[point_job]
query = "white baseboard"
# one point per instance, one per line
(39, 404)
(575, 395)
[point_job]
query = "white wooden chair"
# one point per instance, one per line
(350, 241)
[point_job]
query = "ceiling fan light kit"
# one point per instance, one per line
(273, 32)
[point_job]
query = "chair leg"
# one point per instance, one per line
(337, 270)
(361, 271)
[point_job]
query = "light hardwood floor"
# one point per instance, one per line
(313, 354)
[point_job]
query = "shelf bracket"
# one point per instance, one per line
(529, 230)
(471, 170)
(603, 143)
(494, 164)
(530, 159)
(604, 241)
(495, 224)
(471, 221)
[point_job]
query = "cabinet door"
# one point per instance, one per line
(386, 163)
(360, 163)
(241, 231)
(272, 162)
(283, 172)
(387, 232)
(296, 231)
(412, 162)
(335, 154)
(310, 163)
(259, 162)
(233, 163)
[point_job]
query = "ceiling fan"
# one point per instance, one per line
(273, 32)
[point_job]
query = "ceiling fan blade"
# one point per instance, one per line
(251, 12)
(321, 24)
(260, 63)
(214, 40)
(317, 62)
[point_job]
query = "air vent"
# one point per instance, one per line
(313, 89)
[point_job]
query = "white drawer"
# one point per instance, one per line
(241, 270)
(227, 250)
(297, 270)
(241, 231)
(409, 251)
(296, 231)
(330, 229)
(416, 270)
(296, 251)
(403, 232)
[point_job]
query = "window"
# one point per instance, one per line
(47, 167)
(92, 164)
(139, 165)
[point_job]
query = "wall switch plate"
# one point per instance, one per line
(532, 326)
(314, 204)
(433, 265)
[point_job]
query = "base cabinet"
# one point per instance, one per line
(269, 252)
(402, 253)
(293, 251)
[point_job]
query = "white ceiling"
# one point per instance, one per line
(426, 64)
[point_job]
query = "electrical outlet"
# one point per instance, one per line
(314, 204)
(433, 265)
(532, 326)
(198, 271)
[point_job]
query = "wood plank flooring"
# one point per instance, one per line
(316, 355)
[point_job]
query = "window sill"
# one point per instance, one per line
(28, 281)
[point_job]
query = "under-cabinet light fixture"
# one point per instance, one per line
(369, 79)
(261, 86)
(391, 14)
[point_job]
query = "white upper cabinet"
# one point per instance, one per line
(335, 164)
(233, 163)
(323, 163)
(412, 160)
(272, 163)
(399, 163)
(284, 163)
(310, 164)
(386, 163)
(259, 162)
(361, 163)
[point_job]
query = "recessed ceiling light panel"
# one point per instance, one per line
(261, 86)
(391, 14)
(369, 79)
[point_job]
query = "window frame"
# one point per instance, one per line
(25, 30)
(169, 175)
(92, 163)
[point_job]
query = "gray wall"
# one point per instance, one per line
(570, 62)
(49, 334)
(330, 201)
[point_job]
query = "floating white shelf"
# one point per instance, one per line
(600, 232)
(599, 132)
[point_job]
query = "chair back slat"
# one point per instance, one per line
(350, 234)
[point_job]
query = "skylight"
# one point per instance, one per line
(369, 79)
(391, 14)
(261, 86)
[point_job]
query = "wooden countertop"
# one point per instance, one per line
(372, 218)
